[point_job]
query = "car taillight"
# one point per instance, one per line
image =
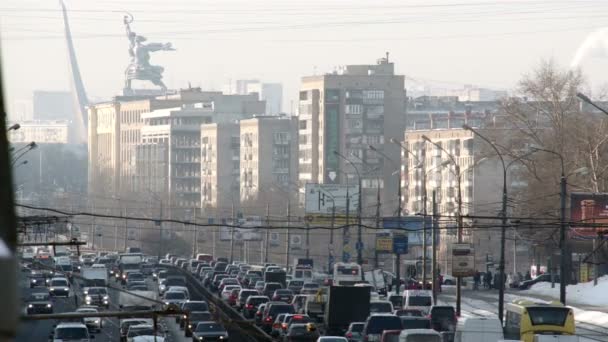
(349, 335)
(268, 319)
(258, 313)
(249, 306)
(276, 325)
(275, 298)
(284, 326)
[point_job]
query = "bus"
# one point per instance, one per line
(347, 273)
(524, 319)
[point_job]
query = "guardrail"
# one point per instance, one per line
(227, 314)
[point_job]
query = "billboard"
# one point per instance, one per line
(321, 198)
(463, 260)
(413, 225)
(242, 234)
(588, 212)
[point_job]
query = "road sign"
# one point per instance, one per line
(463, 260)
(359, 245)
(400, 244)
(321, 198)
(384, 244)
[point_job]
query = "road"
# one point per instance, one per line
(485, 303)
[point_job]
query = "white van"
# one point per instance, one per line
(418, 299)
(416, 335)
(478, 329)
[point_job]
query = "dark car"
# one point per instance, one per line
(415, 323)
(543, 278)
(191, 306)
(355, 332)
(443, 318)
(244, 295)
(39, 303)
(194, 319)
(260, 313)
(220, 266)
(269, 289)
(273, 309)
(209, 331)
(251, 305)
(283, 295)
(215, 284)
(37, 280)
(295, 285)
(301, 333)
(376, 324)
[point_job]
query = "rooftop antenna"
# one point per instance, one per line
(387, 53)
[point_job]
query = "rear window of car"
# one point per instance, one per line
(284, 292)
(256, 301)
(247, 293)
(196, 306)
(377, 324)
(421, 323)
(420, 301)
(380, 307)
(279, 309)
(358, 327)
(439, 312)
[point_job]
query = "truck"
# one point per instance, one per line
(303, 262)
(129, 262)
(137, 300)
(94, 276)
(276, 277)
(377, 280)
(345, 304)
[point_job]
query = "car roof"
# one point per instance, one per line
(142, 326)
(70, 325)
(419, 332)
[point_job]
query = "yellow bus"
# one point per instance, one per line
(524, 319)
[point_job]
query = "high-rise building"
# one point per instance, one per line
(268, 156)
(220, 155)
(346, 111)
(272, 93)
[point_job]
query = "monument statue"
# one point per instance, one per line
(139, 67)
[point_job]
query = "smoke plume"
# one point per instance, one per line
(594, 45)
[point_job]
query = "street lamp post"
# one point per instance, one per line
(459, 218)
(503, 214)
(14, 127)
(586, 99)
(359, 229)
(25, 150)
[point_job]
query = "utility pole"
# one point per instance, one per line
(160, 231)
(267, 232)
(288, 236)
(126, 228)
(377, 219)
(232, 235)
(424, 216)
(562, 239)
(331, 238)
(195, 228)
(434, 248)
(346, 229)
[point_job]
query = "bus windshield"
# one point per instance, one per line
(548, 315)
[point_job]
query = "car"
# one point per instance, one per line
(377, 323)
(137, 287)
(415, 322)
(396, 299)
(259, 313)
(39, 303)
(296, 319)
(243, 295)
(277, 326)
(194, 319)
(70, 332)
(354, 332)
(139, 330)
(479, 329)
(174, 297)
(543, 278)
(418, 299)
(449, 280)
(179, 289)
(191, 306)
(97, 296)
(301, 333)
(209, 331)
(251, 305)
(380, 306)
(95, 324)
(310, 288)
(124, 325)
(37, 280)
(259, 286)
(134, 277)
(443, 318)
(332, 339)
(414, 335)
(269, 289)
(283, 295)
(295, 285)
(227, 290)
(233, 298)
(217, 279)
(272, 310)
(226, 282)
(409, 313)
(59, 287)
(170, 281)
(148, 338)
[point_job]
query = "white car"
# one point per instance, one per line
(59, 287)
(332, 339)
(179, 289)
(139, 330)
(228, 290)
(71, 332)
(92, 323)
(148, 338)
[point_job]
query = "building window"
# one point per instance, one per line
(303, 95)
(302, 124)
(353, 109)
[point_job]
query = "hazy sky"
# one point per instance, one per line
(486, 43)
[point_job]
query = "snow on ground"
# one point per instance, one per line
(583, 293)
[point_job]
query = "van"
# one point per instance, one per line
(418, 299)
(478, 329)
(416, 335)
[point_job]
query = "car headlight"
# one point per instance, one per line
(87, 298)
(49, 305)
(222, 337)
(124, 276)
(166, 303)
(105, 297)
(30, 306)
(34, 281)
(189, 326)
(52, 289)
(185, 316)
(96, 321)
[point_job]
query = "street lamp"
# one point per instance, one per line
(22, 163)
(459, 213)
(25, 150)
(359, 238)
(586, 99)
(14, 127)
(562, 218)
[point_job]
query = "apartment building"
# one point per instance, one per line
(346, 111)
(268, 157)
(220, 167)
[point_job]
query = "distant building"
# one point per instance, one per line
(272, 93)
(220, 166)
(42, 132)
(268, 156)
(475, 94)
(434, 112)
(53, 105)
(346, 111)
